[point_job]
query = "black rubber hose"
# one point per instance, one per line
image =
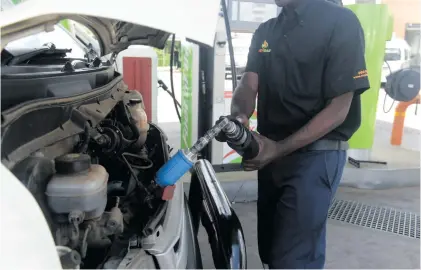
(385, 94)
(83, 145)
(230, 48)
(172, 77)
(165, 88)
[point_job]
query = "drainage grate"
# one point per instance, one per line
(374, 217)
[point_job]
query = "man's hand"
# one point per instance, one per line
(268, 151)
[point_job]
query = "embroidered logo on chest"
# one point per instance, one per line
(265, 47)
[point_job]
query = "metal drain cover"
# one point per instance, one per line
(375, 217)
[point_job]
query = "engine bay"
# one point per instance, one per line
(96, 183)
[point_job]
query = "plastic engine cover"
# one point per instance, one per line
(78, 185)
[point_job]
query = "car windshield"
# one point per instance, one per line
(392, 54)
(60, 37)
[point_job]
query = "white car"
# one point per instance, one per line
(77, 139)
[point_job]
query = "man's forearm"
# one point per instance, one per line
(244, 97)
(324, 122)
(243, 102)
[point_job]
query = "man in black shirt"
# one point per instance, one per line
(307, 69)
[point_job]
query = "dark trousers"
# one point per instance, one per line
(294, 195)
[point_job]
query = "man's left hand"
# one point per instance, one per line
(268, 151)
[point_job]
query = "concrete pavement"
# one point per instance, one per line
(348, 246)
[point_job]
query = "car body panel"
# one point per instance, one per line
(162, 241)
(24, 228)
(117, 25)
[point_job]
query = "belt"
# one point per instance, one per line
(326, 145)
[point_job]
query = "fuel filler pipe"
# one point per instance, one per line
(238, 137)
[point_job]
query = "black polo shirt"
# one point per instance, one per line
(305, 57)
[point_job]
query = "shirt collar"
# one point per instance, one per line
(297, 8)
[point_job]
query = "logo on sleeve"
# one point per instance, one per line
(361, 74)
(265, 47)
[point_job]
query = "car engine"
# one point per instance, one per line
(99, 198)
(97, 187)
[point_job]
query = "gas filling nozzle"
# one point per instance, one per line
(239, 139)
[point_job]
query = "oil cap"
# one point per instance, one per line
(72, 163)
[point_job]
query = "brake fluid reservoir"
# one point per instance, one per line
(78, 185)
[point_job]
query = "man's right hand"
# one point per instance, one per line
(240, 118)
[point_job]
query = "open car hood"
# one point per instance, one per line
(118, 24)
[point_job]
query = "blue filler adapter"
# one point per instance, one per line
(239, 138)
(183, 160)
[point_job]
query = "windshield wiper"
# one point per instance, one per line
(91, 54)
(47, 49)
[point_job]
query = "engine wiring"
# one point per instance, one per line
(138, 182)
(149, 163)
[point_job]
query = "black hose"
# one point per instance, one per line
(83, 146)
(165, 88)
(231, 52)
(385, 94)
(149, 163)
(172, 77)
(230, 48)
(131, 122)
(138, 182)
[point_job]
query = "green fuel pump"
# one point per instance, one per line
(377, 24)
